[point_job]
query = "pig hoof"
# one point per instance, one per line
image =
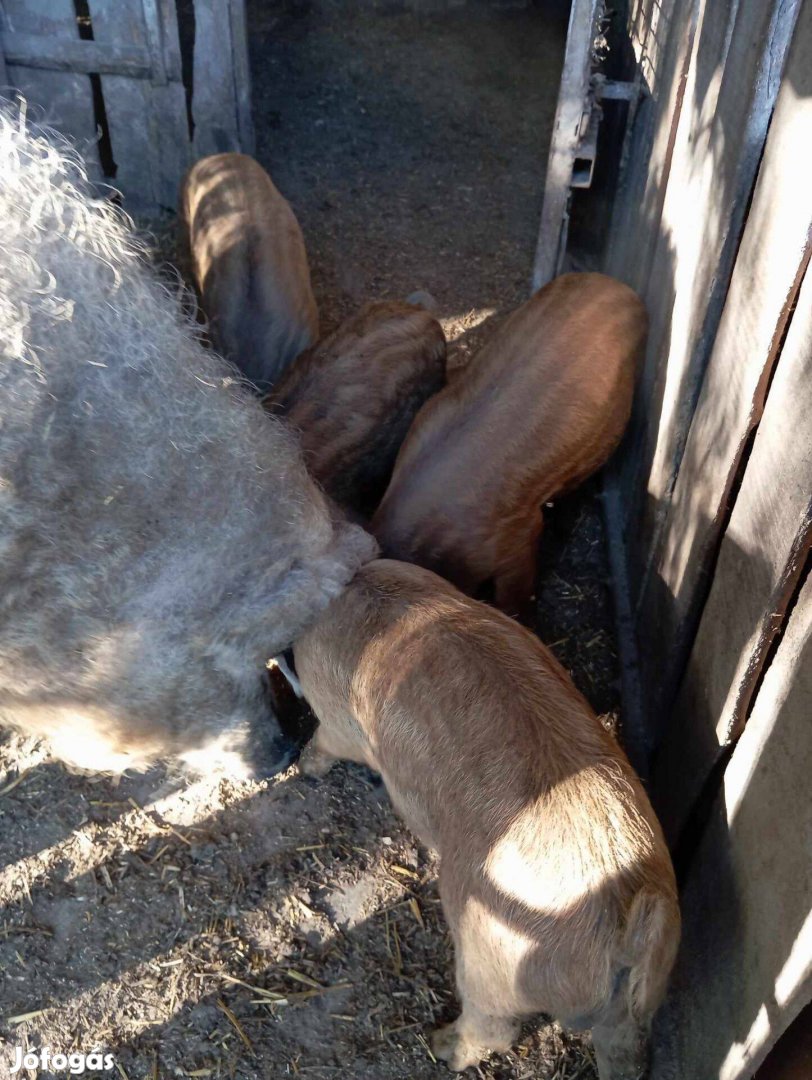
(449, 1046)
(315, 765)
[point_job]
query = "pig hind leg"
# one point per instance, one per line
(486, 985)
(620, 1037)
(621, 1049)
(472, 1036)
(648, 949)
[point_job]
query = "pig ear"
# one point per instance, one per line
(269, 620)
(271, 609)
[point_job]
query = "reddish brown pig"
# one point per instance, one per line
(554, 877)
(353, 396)
(250, 266)
(542, 406)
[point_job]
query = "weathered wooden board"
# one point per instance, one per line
(663, 38)
(4, 80)
(747, 928)
(169, 105)
(734, 77)
(153, 32)
(127, 101)
(242, 77)
(61, 100)
(745, 966)
(166, 13)
(147, 118)
(215, 99)
(769, 266)
(567, 130)
(135, 51)
(39, 51)
(761, 556)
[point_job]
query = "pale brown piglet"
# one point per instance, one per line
(250, 266)
(539, 408)
(353, 396)
(554, 877)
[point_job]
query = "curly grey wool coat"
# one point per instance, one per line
(159, 535)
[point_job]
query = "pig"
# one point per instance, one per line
(554, 876)
(159, 533)
(250, 266)
(352, 397)
(536, 411)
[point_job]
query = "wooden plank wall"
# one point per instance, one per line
(135, 56)
(149, 134)
(745, 966)
(59, 99)
(686, 256)
(766, 531)
(681, 236)
(221, 105)
(712, 498)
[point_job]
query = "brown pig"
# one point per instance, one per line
(353, 396)
(542, 405)
(249, 264)
(554, 876)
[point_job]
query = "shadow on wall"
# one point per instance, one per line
(721, 962)
(685, 281)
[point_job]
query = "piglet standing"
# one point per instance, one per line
(555, 879)
(537, 410)
(250, 266)
(353, 397)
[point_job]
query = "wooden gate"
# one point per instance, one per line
(112, 75)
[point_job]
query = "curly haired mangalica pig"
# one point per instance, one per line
(353, 397)
(539, 408)
(249, 261)
(555, 878)
(159, 534)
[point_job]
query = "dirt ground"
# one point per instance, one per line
(221, 929)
